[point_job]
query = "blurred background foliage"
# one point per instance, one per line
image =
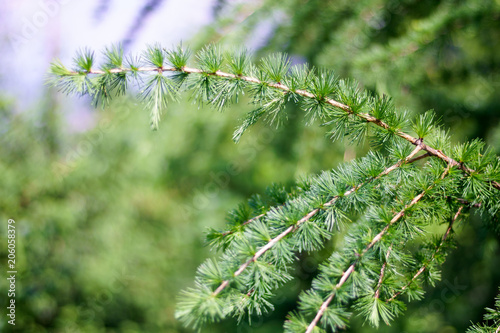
(110, 221)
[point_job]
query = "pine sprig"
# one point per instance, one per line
(327, 97)
(432, 258)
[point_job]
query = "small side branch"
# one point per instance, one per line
(419, 157)
(307, 217)
(382, 273)
(424, 267)
(244, 223)
(467, 203)
(325, 304)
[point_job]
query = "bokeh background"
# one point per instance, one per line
(111, 216)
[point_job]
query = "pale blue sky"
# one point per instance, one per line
(34, 32)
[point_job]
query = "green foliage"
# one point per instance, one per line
(84, 60)
(210, 59)
(110, 85)
(385, 205)
(179, 56)
(493, 318)
(154, 56)
(114, 55)
(424, 124)
(156, 94)
(239, 62)
(275, 67)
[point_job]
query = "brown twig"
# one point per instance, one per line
(467, 203)
(382, 272)
(419, 157)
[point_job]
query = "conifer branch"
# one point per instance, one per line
(375, 239)
(424, 267)
(268, 246)
(327, 302)
(294, 227)
(408, 160)
(468, 204)
(304, 93)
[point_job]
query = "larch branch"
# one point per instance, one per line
(294, 227)
(375, 239)
(304, 93)
(424, 267)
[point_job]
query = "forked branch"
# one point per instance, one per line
(375, 239)
(307, 217)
